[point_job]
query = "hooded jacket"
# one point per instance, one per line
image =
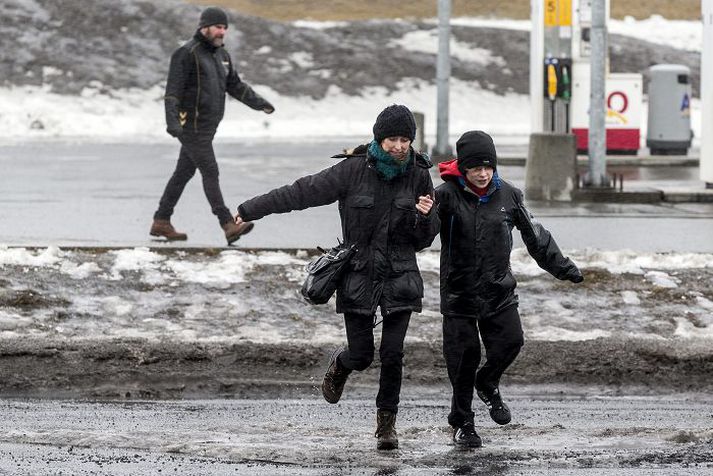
(199, 76)
(476, 241)
(379, 216)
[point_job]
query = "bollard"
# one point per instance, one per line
(418, 144)
(551, 167)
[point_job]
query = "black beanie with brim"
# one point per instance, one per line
(476, 149)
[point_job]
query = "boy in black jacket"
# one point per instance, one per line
(478, 211)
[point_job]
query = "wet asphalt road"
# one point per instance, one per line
(571, 431)
(105, 195)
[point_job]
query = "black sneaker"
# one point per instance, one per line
(334, 379)
(466, 437)
(499, 412)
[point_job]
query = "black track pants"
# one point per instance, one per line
(502, 338)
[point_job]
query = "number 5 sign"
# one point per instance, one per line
(558, 13)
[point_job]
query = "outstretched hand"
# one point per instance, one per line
(424, 205)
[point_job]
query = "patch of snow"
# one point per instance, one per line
(680, 34)
(23, 257)
(550, 333)
(661, 279)
(630, 298)
(426, 41)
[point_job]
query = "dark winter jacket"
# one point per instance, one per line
(380, 217)
(476, 240)
(199, 76)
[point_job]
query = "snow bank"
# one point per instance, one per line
(34, 113)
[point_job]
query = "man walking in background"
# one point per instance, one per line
(200, 74)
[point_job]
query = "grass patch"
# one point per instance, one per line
(326, 10)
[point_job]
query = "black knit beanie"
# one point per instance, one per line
(476, 149)
(395, 121)
(212, 16)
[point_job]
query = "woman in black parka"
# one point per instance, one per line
(385, 192)
(478, 211)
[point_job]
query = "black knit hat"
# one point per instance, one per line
(212, 16)
(476, 149)
(395, 121)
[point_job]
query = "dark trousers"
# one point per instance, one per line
(360, 354)
(502, 338)
(196, 153)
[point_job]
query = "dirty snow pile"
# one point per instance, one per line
(254, 296)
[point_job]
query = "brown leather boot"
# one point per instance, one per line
(164, 228)
(335, 378)
(233, 231)
(386, 438)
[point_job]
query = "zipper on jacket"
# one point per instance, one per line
(475, 226)
(450, 240)
(198, 90)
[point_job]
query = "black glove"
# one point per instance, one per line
(174, 126)
(175, 131)
(575, 276)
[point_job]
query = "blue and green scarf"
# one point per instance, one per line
(388, 167)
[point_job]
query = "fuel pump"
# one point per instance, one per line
(566, 91)
(551, 88)
(558, 91)
(561, 36)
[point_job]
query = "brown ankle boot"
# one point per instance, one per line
(233, 231)
(335, 378)
(386, 438)
(164, 228)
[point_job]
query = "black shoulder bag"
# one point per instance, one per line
(325, 272)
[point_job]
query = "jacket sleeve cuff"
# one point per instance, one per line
(423, 220)
(243, 213)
